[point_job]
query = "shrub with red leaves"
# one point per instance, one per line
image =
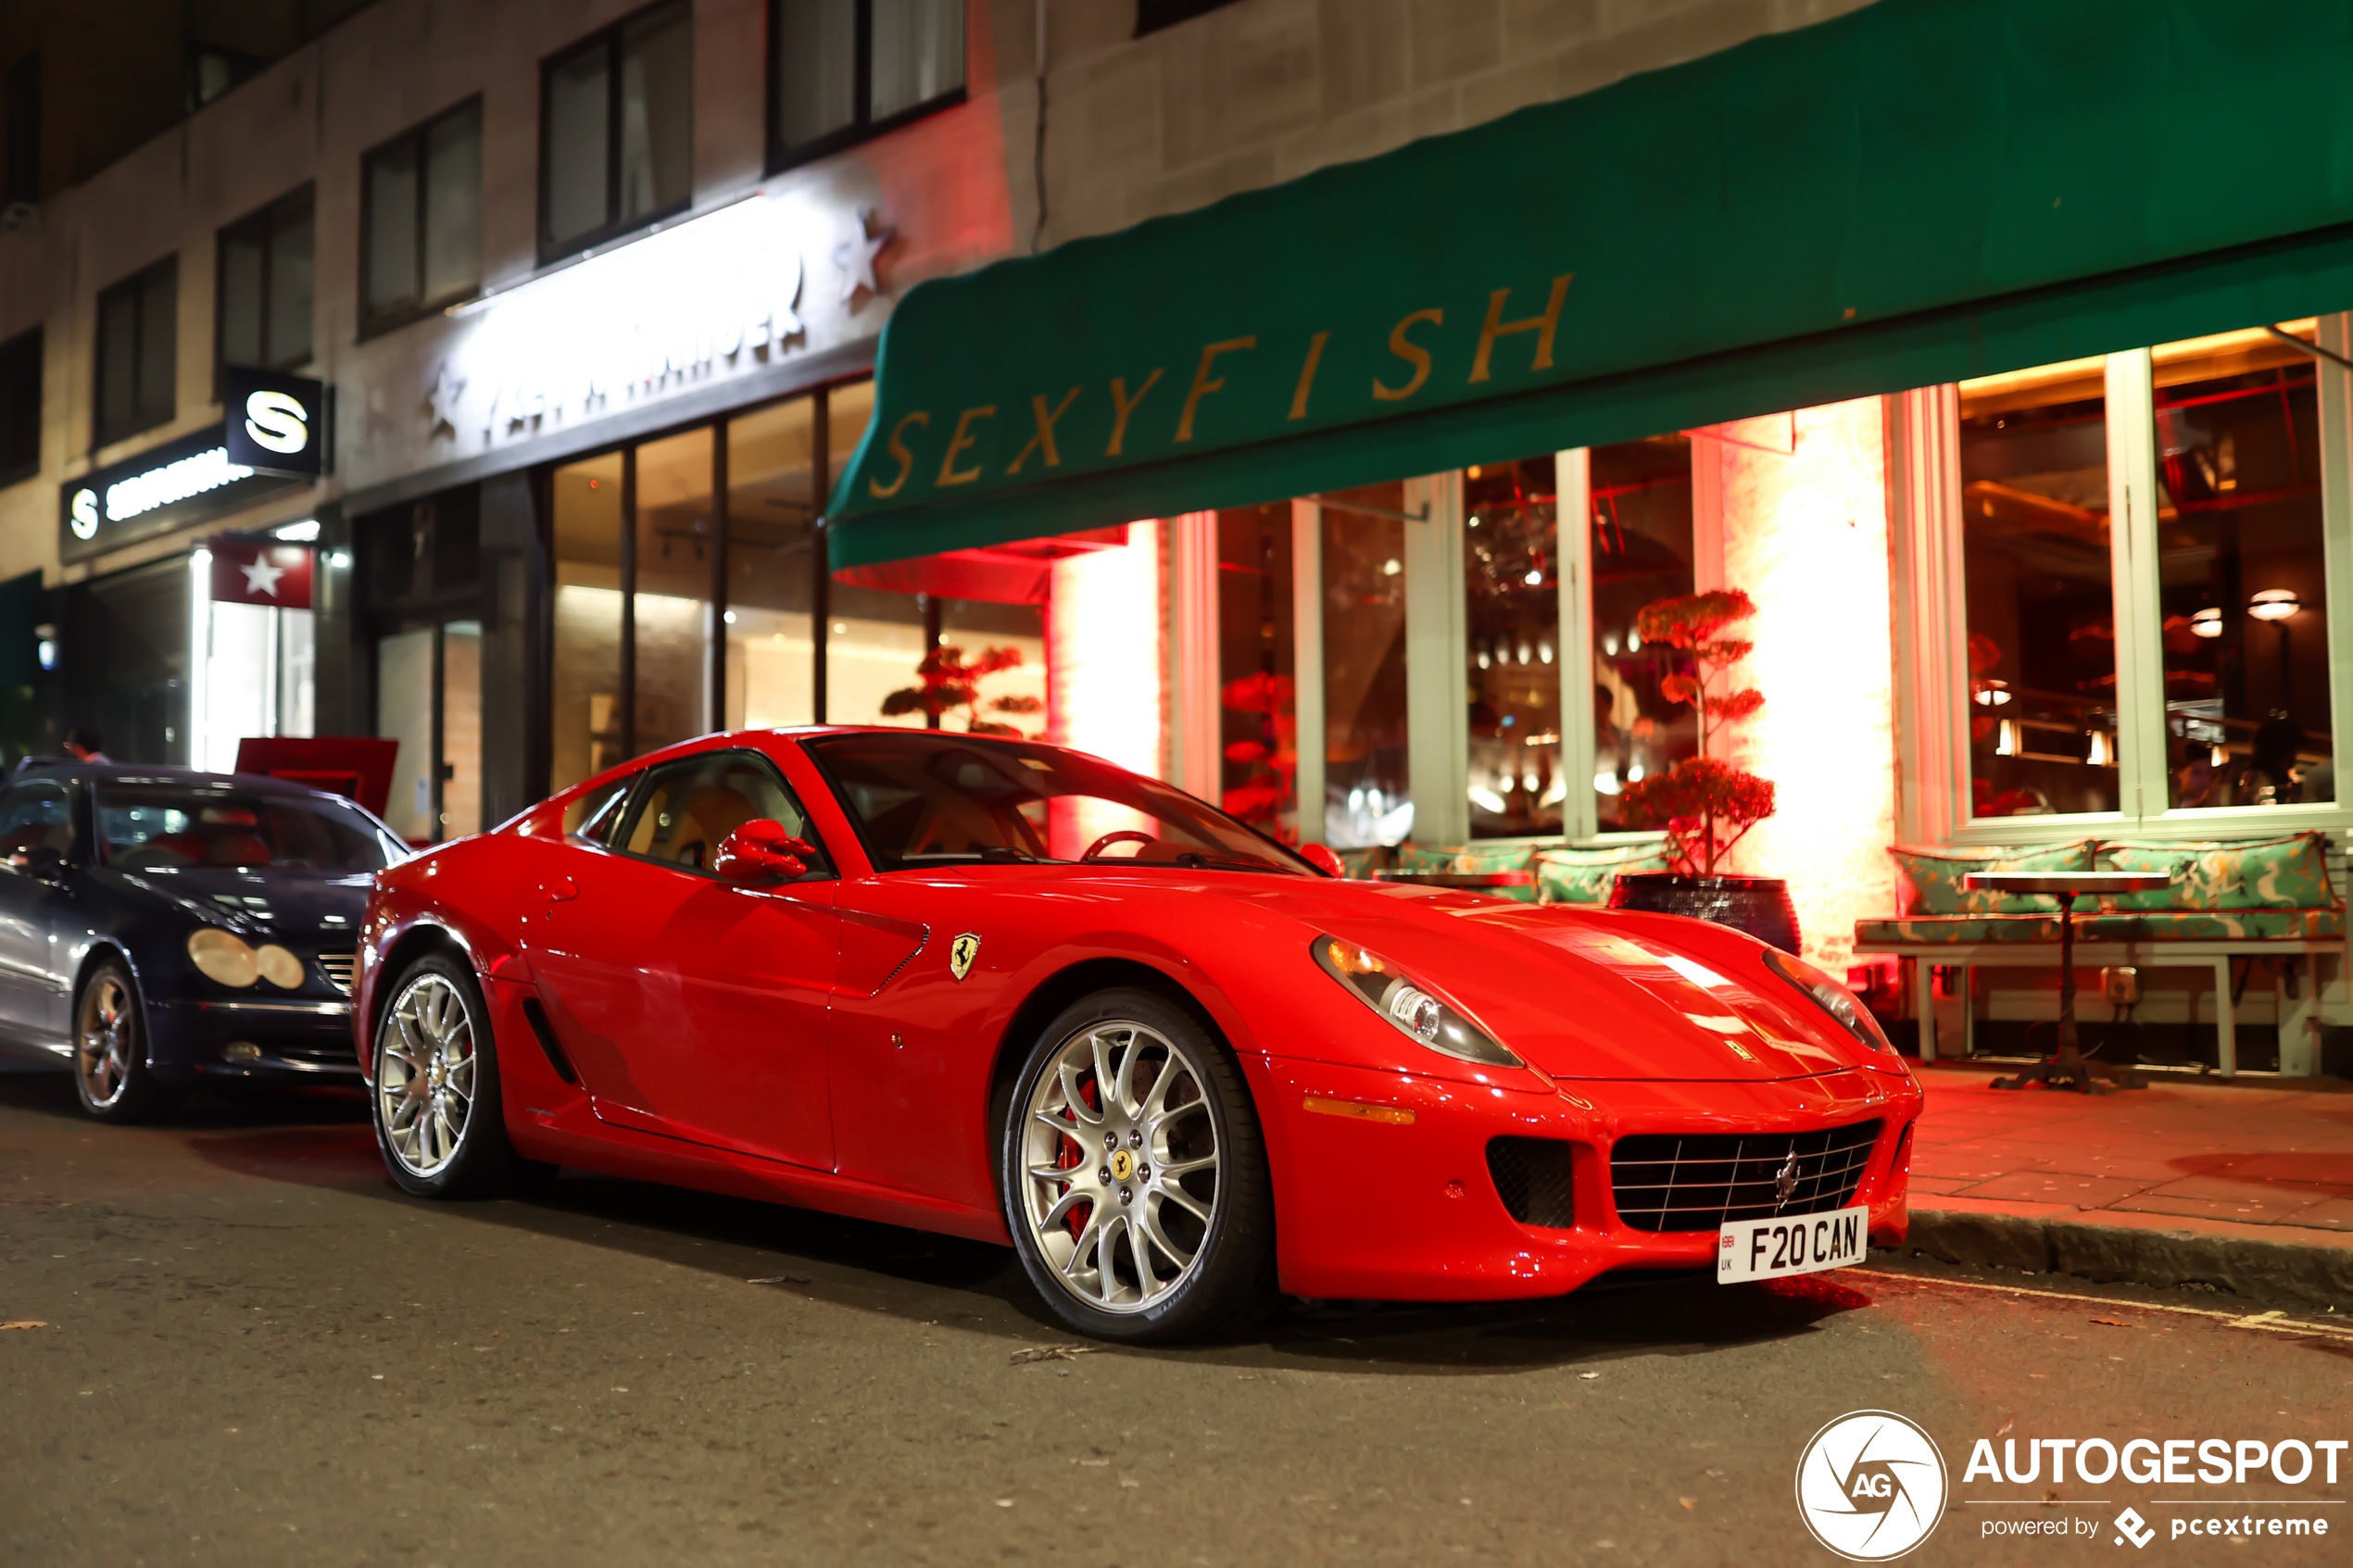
(1706, 804)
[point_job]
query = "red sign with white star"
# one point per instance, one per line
(260, 571)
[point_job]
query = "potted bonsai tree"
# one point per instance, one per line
(1706, 804)
(948, 682)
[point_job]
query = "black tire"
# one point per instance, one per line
(1227, 1282)
(429, 1149)
(111, 1078)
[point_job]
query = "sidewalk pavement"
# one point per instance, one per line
(2246, 1189)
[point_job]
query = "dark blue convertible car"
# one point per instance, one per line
(159, 925)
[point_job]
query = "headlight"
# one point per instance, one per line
(1830, 997)
(223, 955)
(1410, 1008)
(279, 967)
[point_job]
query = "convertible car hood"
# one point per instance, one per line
(1592, 994)
(294, 906)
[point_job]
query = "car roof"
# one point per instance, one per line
(68, 770)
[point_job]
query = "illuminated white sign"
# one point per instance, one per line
(277, 422)
(160, 487)
(713, 297)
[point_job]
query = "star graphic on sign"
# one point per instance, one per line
(441, 399)
(262, 578)
(855, 254)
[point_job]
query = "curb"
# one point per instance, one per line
(2261, 1268)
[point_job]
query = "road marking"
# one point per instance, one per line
(2273, 1322)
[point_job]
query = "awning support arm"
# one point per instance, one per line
(1422, 516)
(2314, 350)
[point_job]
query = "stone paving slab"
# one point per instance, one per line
(2246, 1189)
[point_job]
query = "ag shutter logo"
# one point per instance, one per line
(1871, 1486)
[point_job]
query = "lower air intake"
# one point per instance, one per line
(1533, 1178)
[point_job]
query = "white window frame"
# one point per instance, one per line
(1931, 638)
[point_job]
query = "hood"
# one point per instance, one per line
(1595, 993)
(311, 908)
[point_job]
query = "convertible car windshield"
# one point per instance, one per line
(928, 799)
(168, 825)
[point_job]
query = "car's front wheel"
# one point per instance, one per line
(436, 1097)
(110, 1073)
(1134, 1174)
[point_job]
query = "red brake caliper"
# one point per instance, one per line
(1073, 1155)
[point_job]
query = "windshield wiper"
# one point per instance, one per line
(1194, 861)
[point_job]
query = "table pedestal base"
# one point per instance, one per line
(2069, 1068)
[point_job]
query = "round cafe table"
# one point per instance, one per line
(1462, 879)
(2067, 1068)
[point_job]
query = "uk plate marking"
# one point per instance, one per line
(1792, 1244)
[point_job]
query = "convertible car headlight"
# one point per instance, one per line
(1410, 1008)
(223, 955)
(1831, 998)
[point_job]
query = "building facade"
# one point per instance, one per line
(1335, 501)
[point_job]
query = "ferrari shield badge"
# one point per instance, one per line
(961, 953)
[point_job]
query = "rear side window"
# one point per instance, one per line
(592, 814)
(36, 817)
(685, 807)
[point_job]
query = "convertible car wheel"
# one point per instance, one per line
(110, 1072)
(436, 1089)
(1135, 1177)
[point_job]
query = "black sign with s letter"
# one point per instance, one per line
(277, 424)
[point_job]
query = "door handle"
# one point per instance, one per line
(561, 889)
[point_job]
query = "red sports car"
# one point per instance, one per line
(1011, 992)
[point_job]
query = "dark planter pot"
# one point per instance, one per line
(1758, 905)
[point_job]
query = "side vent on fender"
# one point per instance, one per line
(545, 1033)
(1533, 1178)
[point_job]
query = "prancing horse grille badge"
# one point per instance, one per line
(961, 953)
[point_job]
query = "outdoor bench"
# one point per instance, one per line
(2271, 899)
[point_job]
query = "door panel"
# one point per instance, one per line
(32, 1001)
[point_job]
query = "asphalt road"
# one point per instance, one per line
(257, 1352)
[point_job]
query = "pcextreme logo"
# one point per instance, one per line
(1871, 1486)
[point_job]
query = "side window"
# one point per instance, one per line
(591, 816)
(688, 807)
(35, 816)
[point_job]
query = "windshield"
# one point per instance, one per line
(174, 826)
(923, 799)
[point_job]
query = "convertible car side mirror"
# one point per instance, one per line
(1322, 859)
(41, 862)
(761, 850)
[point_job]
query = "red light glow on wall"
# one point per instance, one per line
(1107, 670)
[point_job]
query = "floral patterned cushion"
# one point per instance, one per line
(1933, 887)
(2164, 925)
(1473, 858)
(2278, 874)
(1362, 865)
(1583, 876)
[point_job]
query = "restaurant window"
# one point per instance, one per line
(2242, 582)
(138, 352)
(841, 70)
(20, 104)
(1257, 687)
(20, 406)
(586, 506)
(1511, 579)
(1368, 794)
(616, 145)
(2040, 593)
(1639, 497)
(264, 285)
(421, 220)
(2205, 685)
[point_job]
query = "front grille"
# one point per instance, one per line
(338, 968)
(1699, 1181)
(1533, 1178)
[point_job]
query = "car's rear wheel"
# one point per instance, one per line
(1134, 1174)
(110, 1073)
(436, 1097)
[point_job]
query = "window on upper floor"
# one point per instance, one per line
(20, 406)
(138, 352)
(264, 281)
(421, 220)
(1153, 15)
(20, 102)
(616, 130)
(841, 70)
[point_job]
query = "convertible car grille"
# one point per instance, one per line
(338, 968)
(1533, 1178)
(1698, 1181)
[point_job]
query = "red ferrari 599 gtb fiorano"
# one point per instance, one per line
(1010, 992)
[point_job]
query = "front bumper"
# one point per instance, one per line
(292, 1038)
(1373, 1206)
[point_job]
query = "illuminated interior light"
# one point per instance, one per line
(1609, 644)
(2274, 604)
(2220, 756)
(1474, 523)
(1106, 685)
(301, 532)
(1634, 773)
(2206, 622)
(1391, 567)
(1993, 694)
(1605, 781)
(1545, 652)
(200, 649)
(1534, 578)
(2103, 750)
(1633, 641)
(2006, 740)
(1487, 798)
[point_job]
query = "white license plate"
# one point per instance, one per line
(1795, 1244)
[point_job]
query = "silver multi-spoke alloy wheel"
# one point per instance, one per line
(104, 1037)
(425, 1060)
(1120, 1160)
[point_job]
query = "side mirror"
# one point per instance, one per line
(41, 862)
(1322, 859)
(761, 850)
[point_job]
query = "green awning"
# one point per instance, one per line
(1918, 192)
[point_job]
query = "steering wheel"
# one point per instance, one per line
(1122, 836)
